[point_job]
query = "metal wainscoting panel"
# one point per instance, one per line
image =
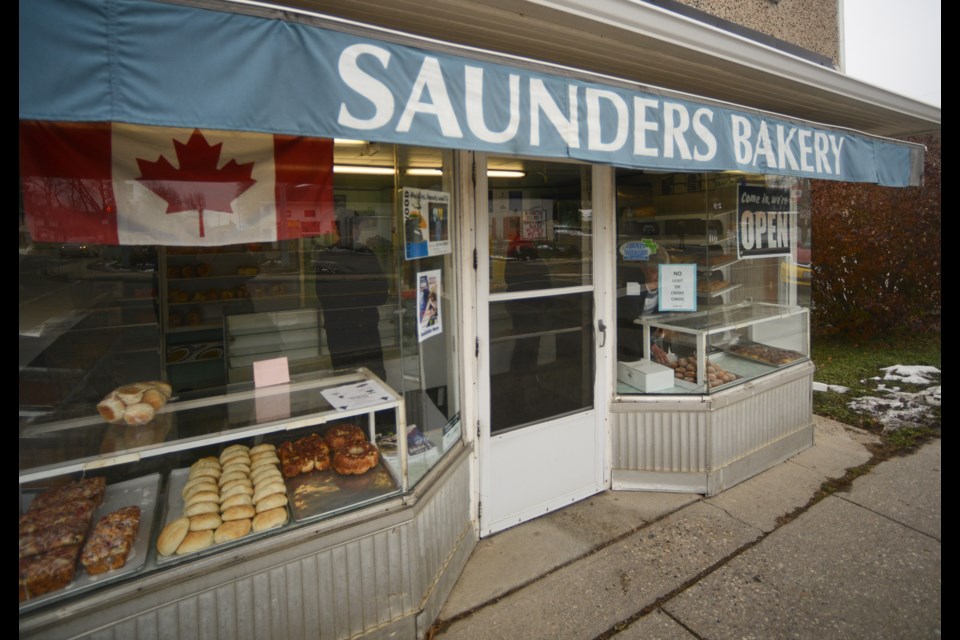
(340, 592)
(653, 440)
(443, 529)
(759, 419)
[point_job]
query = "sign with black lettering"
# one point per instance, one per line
(765, 222)
(678, 287)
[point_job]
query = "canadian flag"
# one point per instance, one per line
(113, 183)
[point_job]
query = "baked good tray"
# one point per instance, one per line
(142, 492)
(173, 509)
(322, 494)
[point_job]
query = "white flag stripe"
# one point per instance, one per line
(142, 216)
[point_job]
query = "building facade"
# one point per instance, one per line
(532, 252)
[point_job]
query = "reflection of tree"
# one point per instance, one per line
(52, 198)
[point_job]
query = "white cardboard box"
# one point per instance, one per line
(645, 375)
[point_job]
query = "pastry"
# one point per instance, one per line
(232, 530)
(111, 408)
(195, 541)
(86, 489)
(111, 542)
(355, 458)
(272, 502)
(139, 413)
(172, 535)
(270, 519)
(47, 572)
(238, 513)
(205, 521)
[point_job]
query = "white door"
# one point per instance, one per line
(541, 441)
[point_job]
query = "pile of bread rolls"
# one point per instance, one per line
(134, 404)
(226, 498)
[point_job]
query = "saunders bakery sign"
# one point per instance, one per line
(166, 64)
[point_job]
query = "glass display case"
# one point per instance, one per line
(153, 467)
(713, 350)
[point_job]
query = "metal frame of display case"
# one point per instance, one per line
(716, 321)
(93, 463)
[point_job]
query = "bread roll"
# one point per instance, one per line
(201, 507)
(272, 502)
(270, 519)
(111, 408)
(205, 472)
(199, 485)
(138, 413)
(268, 490)
(262, 448)
(234, 456)
(154, 398)
(270, 460)
(234, 490)
(195, 541)
(232, 530)
(202, 496)
(205, 521)
(238, 513)
(240, 499)
(172, 535)
(233, 475)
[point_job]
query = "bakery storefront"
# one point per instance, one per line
(308, 307)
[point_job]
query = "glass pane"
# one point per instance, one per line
(742, 295)
(541, 359)
(540, 217)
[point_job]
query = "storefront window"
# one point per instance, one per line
(359, 273)
(713, 279)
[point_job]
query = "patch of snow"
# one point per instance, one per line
(931, 396)
(899, 408)
(820, 386)
(915, 374)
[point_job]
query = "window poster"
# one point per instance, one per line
(764, 222)
(429, 322)
(534, 223)
(678, 287)
(426, 223)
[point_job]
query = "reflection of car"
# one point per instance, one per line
(798, 272)
(76, 250)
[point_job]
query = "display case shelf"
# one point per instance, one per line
(702, 347)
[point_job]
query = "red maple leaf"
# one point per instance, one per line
(198, 185)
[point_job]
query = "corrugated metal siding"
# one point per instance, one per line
(441, 525)
(661, 441)
(703, 438)
(760, 419)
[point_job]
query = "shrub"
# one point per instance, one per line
(876, 253)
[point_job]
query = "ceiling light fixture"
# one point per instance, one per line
(363, 170)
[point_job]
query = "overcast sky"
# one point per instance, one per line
(895, 44)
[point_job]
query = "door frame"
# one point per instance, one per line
(490, 446)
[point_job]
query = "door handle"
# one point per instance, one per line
(603, 332)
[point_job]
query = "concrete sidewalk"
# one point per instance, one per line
(858, 564)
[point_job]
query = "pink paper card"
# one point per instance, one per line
(267, 373)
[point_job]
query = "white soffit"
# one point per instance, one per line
(652, 46)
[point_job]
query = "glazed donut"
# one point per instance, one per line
(355, 458)
(343, 434)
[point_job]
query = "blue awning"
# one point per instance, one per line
(146, 62)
